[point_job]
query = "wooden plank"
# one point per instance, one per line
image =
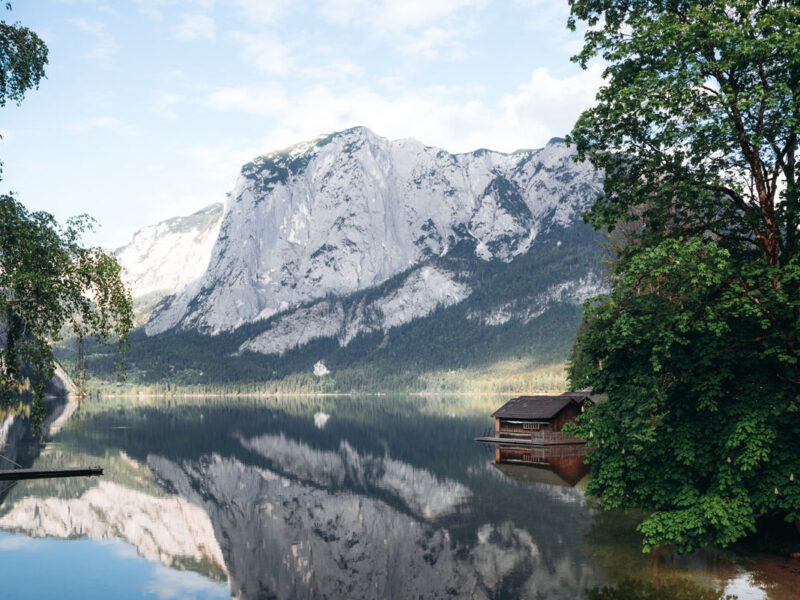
(509, 441)
(17, 474)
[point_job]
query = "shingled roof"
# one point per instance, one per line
(540, 406)
(532, 407)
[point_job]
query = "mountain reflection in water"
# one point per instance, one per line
(387, 498)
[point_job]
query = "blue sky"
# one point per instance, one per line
(86, 568)
(151, 106)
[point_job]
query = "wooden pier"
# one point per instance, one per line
(536, 438)
(17, 474)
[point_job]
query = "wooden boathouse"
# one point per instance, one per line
(538, 420)
(528, 433)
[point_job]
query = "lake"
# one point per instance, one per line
(319, 497)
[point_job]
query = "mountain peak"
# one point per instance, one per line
(357, 131)
(353, 138)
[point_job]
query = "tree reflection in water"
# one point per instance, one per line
(672, 589)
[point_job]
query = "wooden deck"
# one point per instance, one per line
(550, 438)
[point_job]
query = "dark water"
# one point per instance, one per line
(362, 497)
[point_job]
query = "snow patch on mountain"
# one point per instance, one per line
(350, 210)
(421, 292)
(324, 319)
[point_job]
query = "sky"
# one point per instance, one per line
(150, 107)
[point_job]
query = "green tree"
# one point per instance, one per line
(48, 280)
(23, 56)
(698, 120)
(698, 344)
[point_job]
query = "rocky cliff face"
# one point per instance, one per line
(420, 293)
(164, 258)
(348, 212)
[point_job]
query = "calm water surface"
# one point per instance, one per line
(357, 497)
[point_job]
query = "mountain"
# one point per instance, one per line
(350, 210)
(164, 258)
(356, 249)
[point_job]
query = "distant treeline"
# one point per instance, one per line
(507, 377)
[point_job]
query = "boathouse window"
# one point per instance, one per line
(531, 426)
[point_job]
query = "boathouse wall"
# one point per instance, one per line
(516, 427)
(567, 415)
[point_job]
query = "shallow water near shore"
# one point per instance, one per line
(337, 497)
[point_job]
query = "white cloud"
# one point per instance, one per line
(120, 549)
(194, 27)
(337, 69)
(384, 15)
(263, 11)
(162, 204)
(221, 163)
(264, 101)
(17, 542)
(173, 75)
(164, 103)
(552, 100)
(150, 11)
(168, 584)
(207, 172)
(428, 28)
(265, 52)
(545, 106)
(548, 19)
(545, 7)
(437, 42)
(105, 46)
(154, 9)
(343, 11)
(103, 122)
